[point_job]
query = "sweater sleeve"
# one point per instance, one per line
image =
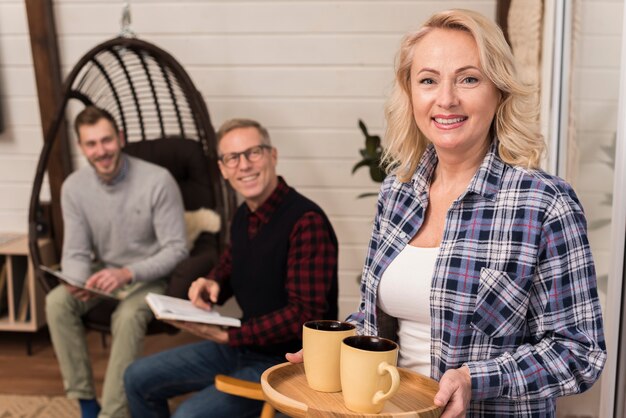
(169, 227)
(77, 239)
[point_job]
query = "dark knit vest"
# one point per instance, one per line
(260, 264)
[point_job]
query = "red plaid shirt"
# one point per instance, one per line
(311, 262)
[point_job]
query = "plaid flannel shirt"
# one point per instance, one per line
(311, 263)
(513, 293)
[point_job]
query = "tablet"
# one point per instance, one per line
(73, 282)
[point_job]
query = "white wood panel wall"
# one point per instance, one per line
(308, 70)
(595, 81)
(594, 99)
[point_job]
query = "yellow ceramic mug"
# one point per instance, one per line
(321, 344)
(368, 372)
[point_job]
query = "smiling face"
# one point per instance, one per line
(256, 180)
(102, 146)
(454, 103)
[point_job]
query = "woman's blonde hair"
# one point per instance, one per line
(515, 123)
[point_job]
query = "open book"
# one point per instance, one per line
(168, 307)
(117, 294)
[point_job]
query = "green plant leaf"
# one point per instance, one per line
(377, 174)
(371, 155)
(372, 145)
(363, 128)
(363, 163)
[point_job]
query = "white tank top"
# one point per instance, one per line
(404, 293)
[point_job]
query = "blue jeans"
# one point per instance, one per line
(151, 381)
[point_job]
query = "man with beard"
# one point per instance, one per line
(123, 229)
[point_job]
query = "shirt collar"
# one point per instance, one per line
(486, 181)
(267, 208)
(124, 165)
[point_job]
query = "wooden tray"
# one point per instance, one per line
(286, 389)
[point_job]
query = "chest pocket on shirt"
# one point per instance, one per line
(501, 304)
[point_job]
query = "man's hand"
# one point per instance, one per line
(208, 332)
(295, 357)
(78, 293)
(203, 293)
(455, 392)
(110, 279)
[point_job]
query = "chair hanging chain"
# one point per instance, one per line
(126, 30)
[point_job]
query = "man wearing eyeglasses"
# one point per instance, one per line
(281, 267)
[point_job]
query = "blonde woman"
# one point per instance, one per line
(478, 263)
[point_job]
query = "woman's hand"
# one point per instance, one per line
(203, 293)
(455, 392)
(295, 357)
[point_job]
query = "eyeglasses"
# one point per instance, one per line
(252, 154)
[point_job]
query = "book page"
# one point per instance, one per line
(168, 307)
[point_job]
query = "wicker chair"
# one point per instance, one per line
(166, 121)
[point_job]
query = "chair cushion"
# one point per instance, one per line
(199, 221)
(186, 161)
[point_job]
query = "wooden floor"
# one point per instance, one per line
(38, 374)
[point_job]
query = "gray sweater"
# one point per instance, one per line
(135, 223)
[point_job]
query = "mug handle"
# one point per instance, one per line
(383, 368)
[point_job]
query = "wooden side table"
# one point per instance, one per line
(22, 298)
